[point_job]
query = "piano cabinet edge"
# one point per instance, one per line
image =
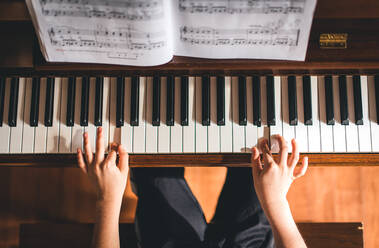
(187, 160)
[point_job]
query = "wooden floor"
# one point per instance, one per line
(64, 195)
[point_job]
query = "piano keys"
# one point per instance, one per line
(187, 114)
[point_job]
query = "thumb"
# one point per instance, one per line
(123, 163)
(256, 162)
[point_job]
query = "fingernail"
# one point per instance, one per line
(99, 129)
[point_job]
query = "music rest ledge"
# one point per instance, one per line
(187, 160)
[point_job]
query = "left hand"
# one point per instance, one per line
(108, 178)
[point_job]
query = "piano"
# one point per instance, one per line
(195, 112)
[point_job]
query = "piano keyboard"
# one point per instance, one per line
(189, 114)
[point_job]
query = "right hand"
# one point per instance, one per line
(108, 178)
(272, 179)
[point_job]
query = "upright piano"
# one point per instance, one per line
(196, 112)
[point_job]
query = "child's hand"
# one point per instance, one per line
(272, 179)
(108, 178)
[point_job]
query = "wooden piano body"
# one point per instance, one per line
(20, 56)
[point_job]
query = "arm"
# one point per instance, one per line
(272, 180)
(109, 181)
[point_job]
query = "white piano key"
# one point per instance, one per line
(41, 130)
(64, 130)
(28, 131)
(251, 129)
(176, 144)
(5, 129)
(326, 131)
(91, 128)
(52, 135)
(151, 131)
(106, 110)
(127, 130)
(16, 133)
(114, 132)
(352, 129)
(189, 131)
(314, 139)
(239, 143)
(263, 127)
(301, 131)
(339, 134)
(364, 131)
(163, 130)
(372, 114)
(288, 130)
(139, 131)
(278, 128)
(201, 131)
(226, 131)
(77, 130)
(213, 129)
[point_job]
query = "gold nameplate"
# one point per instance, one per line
(333, 41)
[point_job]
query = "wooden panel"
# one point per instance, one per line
(370, 193)
(16, 44)
(188, 160)
(347, 235)
(13, 10)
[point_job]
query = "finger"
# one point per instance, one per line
(256, 162)
(283, 149)
(267, 157)
(123, 162)
(111, 158)
(87, 148)
(302, 169)
(295, 154)
(99, 156)
(81, 163)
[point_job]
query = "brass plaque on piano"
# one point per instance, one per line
(333, 41)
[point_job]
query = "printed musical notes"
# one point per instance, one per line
(109, 9)
(256, 36)
(242, 6)
(64, 36)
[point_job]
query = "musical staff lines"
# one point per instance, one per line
(103, 39)
(242, 6)
(254, 36)
(134, 10)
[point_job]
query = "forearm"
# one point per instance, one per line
(106, 230)
(283, 225)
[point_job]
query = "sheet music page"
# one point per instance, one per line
(257, 29)
(126, 32)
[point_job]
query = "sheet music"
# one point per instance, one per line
(126, 32)
(260, 29)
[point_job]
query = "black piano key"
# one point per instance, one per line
(34, 107)
(257, 119)
(84, 102)
(70, 102)
(49, 105)
(307, 100)
(376, 80)
(13, 102)
(184, 101)
(358, 100)
(156, 101)
(120, 102)
(242, 100)
(270, 91)
(220, 101)
(170, 101)
(99, 101)
(329, 102)
(134, 102)
(2, 95)
(344, 110)
(292, 100)
(206, 100)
